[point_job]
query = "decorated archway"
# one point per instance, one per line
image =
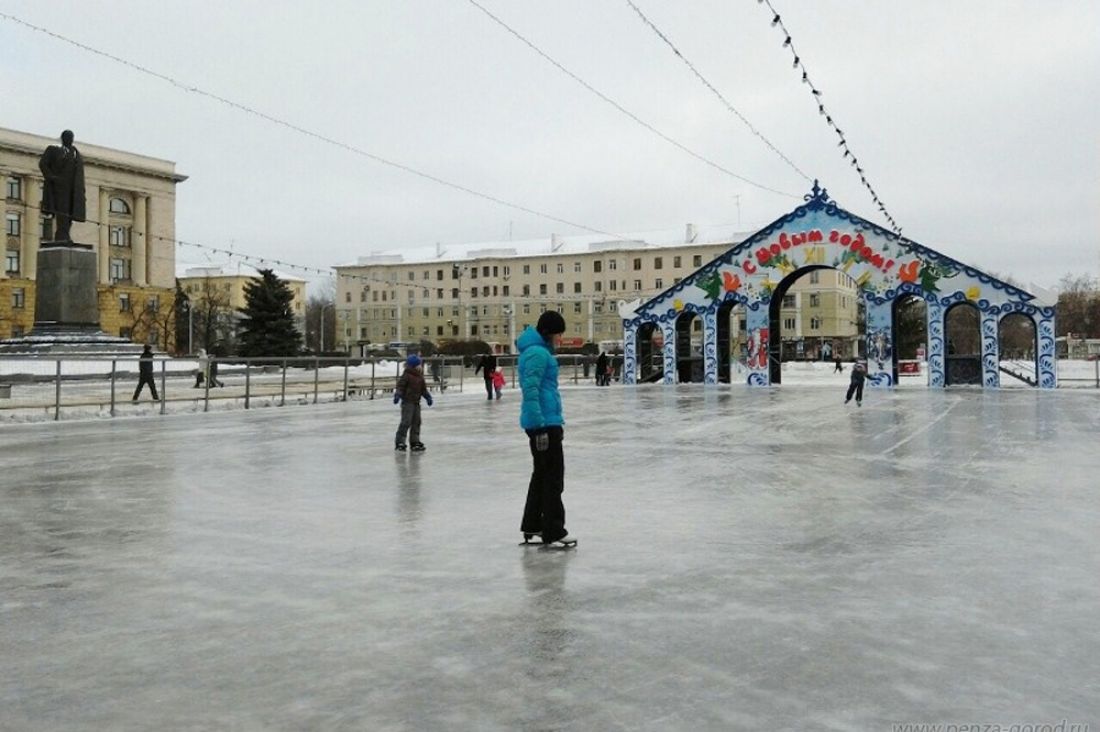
(885, 267)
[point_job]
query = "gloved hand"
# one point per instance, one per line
(396, 398)
(428, 398)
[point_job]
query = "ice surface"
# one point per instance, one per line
(749, 559)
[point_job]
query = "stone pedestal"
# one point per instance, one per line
(66, 307)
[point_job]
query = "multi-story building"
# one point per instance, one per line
(493, 291)
(131, 204)
(216, 296)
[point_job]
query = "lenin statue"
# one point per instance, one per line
(63, 190)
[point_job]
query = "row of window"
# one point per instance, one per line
(506, 291)
(13, 191)
(118, 236)
(457, 271)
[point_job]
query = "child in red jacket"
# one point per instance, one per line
(498, 382)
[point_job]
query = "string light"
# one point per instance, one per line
(777, 21)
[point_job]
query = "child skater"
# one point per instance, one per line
(498, 382)
(410, 387)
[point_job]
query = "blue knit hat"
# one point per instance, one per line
(412, 361)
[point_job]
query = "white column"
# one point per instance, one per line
(31, 234)
(104, 253)
(139, 242)
(591, 307)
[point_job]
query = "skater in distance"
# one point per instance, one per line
(855, 385)
(410, 387)
(541, 418)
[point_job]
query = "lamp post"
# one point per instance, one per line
(321, 349)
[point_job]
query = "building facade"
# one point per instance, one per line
(491, 292)
(131, 204)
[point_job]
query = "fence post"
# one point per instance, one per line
(574, 370)
(461, 373)
(346, 360)
(247, 382)
(1097, 364)
(163, 385)
(57, 394)
(113, 362)
(282, 393)
(372, 377)
(316, 376)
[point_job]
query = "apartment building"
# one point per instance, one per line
(492, 291)
(131, 202)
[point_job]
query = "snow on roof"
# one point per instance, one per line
(187, 271)
(558, 245)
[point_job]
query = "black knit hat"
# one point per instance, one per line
(550, 322)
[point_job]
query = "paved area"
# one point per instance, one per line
(748, 559)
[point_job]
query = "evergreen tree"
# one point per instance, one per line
(267, 324)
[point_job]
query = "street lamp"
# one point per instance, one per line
(326, 305)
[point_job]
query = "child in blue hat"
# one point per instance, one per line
(410, 387)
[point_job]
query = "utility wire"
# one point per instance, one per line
(620, 107)
(301, 130)
(710, 86)
(777, 21)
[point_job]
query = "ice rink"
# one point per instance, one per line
(749, 559)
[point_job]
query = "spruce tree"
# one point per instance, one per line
(267, 323)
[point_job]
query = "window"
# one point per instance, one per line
(373, 297)
(637, 263)
(456, 271)
(576, 287)
(788, 301)
(815, 277)
(152, 303)
(120, 269)
(598, 286)
(815, 323)
(507, 270)
(561, 268)
(526, 308)
(439, 312)
(439, 330)
(504, 290)
(119, 236)
(612, 285)
(659, 283)
(473, 292)
(124, 302)
(843, 301)
(425, 312)
(473, 273)
(697, 260)
(788, 323)
(119, 206)
(473, 329)
(637, 285)
(484, 309)
(676, 262)
(15, 189)
(576, 307)
(526, 290)
(597, 307)
(658, 262)
(454, 293)
(11, 224)
(597, 266)
(576, 266)
(439, 274)
(542, 269)
(612, 264)
(484, 271)
(495, 271)
(815, 300)
(542, 289)
(485, 291)
(439, 293)
(18, 297)
(526, 269)
(11, 261)
(560, 288)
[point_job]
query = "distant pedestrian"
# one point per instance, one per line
(410, 387)
(839, 366)
(212, 371)
(541, 418)
(145, 374)
(855, 384)
(487, 365)
(203, 370)
(603, 370)
(498, 382)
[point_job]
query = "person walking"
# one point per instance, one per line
(204, 366)
(603, 377)
(145, 374)
(839, 366)
(410, 387)
(541, 418)
(487, 365)
(855, 384)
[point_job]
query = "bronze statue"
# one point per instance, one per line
(63, 191)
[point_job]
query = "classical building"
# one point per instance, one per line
(131, 203)
(216, 296)
(491, 291)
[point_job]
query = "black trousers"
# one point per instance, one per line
(489, 384)
(142, 381)
(857, 389)
(544, 511)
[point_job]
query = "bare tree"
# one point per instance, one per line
(211, 313)
(1078, 309)
(320, 313)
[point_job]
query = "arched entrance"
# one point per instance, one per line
(962, 330)
(821, 314)
(910, 317)
(650, 360)
(731, 338)
(1018, 356)
(689, 348)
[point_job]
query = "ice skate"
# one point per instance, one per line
(401, 447)
(566, 542)
(529, 535)
(418, 447)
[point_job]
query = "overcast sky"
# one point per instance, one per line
(976, 121)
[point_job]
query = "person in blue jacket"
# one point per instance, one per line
(541, 418)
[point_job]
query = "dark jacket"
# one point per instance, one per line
(145, 365)
(411, 386)
(487, 364)
(858, 374)
(601, 364)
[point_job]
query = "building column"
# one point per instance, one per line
(937, 376)
(139, 242)
(880, 343)
(104, 253)
(630, 353)
(1048, 366)
(756, 326)
(710, 345)
(668, 334)
(591, 320)
(991, 377)
(30, 236)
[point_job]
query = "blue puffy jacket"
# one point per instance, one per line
(538, 378)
